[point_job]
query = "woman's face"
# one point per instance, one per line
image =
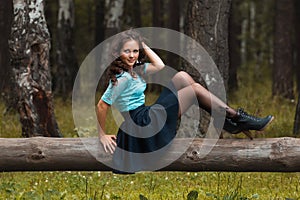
(130, 52)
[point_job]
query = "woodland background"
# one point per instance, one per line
(259, 35)
(257, 52)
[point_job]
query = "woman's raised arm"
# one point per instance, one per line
(156, 62)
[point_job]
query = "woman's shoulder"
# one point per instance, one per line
(123, 78)
(123, 75)
(141, 68)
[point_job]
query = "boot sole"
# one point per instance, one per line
(248, 133)
(263, 128)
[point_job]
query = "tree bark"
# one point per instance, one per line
(157, 13)
(238, 155)
(207, 23)
(5, 26)
(112, 25)
(29, 49)
(99, 14)
(235, 26)
(112, 17)
(67, 65)
(283, 51)
(137, 15)
(297, 42)
(173, 23)
(157, 21)
(296, 129)
(132, 16)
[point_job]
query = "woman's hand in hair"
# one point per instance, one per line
(156, 62)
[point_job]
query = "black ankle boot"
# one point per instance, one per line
(244, 122)
(231, 127)
(248, 122)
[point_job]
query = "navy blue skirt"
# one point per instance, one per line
(146, 129)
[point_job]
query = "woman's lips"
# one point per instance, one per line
(131, 61)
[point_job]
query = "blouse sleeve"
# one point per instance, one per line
(145, 68)
(113, 91)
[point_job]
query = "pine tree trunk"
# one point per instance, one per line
(99, 14)
(157, 21)
(29, 48)
(235, 23)
(5, 25)
(173, 23)
(132, 15)
(296, 130)
(66, 59)
(157, 13)
(283, 53)
(207, 23)
(137, 15)
(297, 42)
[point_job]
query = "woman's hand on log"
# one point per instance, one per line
(108, 142)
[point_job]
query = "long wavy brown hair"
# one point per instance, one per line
(118, 66)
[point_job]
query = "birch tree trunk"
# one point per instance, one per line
(29, 48)
(67, 65)
(113, 17)
(112, 25)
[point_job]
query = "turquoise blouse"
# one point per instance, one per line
(128, 93)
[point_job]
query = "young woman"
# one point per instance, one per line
(126, 92)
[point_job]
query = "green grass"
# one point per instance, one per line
(159, 185)
(254, 95)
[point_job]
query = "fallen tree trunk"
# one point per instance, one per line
(69, 154)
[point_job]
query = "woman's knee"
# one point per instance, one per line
(198, 87)
(182, 76)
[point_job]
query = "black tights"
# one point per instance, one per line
(187, 89)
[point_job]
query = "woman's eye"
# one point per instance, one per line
(126, 51)
(135, 51)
